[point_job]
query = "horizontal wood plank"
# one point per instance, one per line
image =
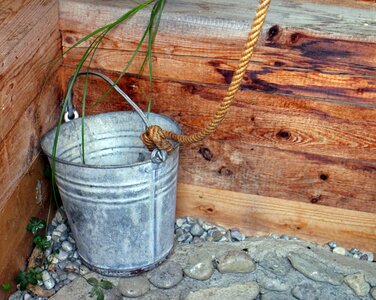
(30, 199)
(287, 123)
(221, 19)
(21, 146)
(327, 85)
(257, 215)
(24, 70)
(270, 145)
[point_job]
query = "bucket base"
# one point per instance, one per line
(125, 272)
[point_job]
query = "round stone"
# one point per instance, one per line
(339, 250)
(179, 222)
(60, 216)
(216, 234)
(370, 256)
(62, 255)
(48, 281)
(134, 287)
(197, 230)
(235, 261)
(16, 296)
(200, 267)
(167, 275)
(236, 235)
(284, 237)
(332, 244)
(27, 296)
(66, 246)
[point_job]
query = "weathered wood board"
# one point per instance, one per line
(30, 199)
(203, 45)
(270, 145)
(29, 38)
(27, 44)
(302, 126)
(258, 215)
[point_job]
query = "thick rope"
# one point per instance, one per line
(156, 137)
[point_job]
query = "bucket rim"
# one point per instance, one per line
(91, 166)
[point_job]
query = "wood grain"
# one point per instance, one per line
(270, 145)
(30, 199)
(328, 85)
(257, 215)
(21, 146)
(221, 19)
(24, 68)
(286, 123)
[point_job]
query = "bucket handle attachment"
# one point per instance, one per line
(157, 156)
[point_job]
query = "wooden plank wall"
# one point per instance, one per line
(303, 127)
(29, 38)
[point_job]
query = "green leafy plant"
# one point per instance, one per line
(35, 224)
(41, 242)
(6, 287)
(31, 277)
(98, 286)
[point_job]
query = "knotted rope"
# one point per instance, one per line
(156, 137)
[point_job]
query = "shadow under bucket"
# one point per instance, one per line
(120, 204)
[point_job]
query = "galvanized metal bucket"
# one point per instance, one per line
(121, 203)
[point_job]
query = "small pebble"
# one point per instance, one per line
(48, 281)
(179, 222)
(196, 230)
(27, 296)
(215, 234)
(339, 250)
(63, 276)
(207, 226)
(167, 275)
(275, 236)
(62, 255)
(285, 237)
(61, 228)
(236, 235)
(134, 287)
(189, 238)
(60, 216)
(52, 259)
(68, 247)
(16, 296)
(75, 255)
(332, 244)
(370, 256)
(191, 220)
(186, 227)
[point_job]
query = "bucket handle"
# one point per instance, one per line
(157, 155)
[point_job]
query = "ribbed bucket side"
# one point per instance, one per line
(120, 205)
